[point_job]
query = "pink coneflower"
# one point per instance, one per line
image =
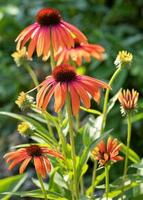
(78, 52)
(48, 22)
(37, 154)
(106, 153)
(63, 80)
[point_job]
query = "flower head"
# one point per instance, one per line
(23, 128)
(20, 56)
(123, 57)
(34, 152)
(128, 100)
(24, 101)
(78, 52)
(106, 153)
(49, 24)
(63, 80)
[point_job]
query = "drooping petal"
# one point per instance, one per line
(96, 82)
(15, 162)
(83, 94)
(40, 42)
(41, 94)
(60, 96)
(24, 164)
(91, 89)
(75, 101)
(47, 164)
(32, 44)
(48, 97)
(52, 152)
(39, 166)
(75, 32)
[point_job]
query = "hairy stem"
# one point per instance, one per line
(107, 98)
(106, 181)
(73, 153)
(42, 186)
(128, 143)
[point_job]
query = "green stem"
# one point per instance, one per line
(42, 186)
(48, 124)
(61, 136)
(106, 181)
(128, 143)
(53, 64)
(73, 153)
(32, 74)
(93, 177)
(82, 185)
(107, 97)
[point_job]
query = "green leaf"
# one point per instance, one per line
(35, 125)
(39, 194)
(132, 155)
(92, 129)
(137, 166)
(120, 185)
(98, 179)
(92, 111)
(11, 184)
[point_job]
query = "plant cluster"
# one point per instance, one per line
(61, 144)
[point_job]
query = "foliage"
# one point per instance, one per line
(117, 26)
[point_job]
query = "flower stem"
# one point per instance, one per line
(48, 124)
(32, 74)
(93, 177)
(106, 181)
(107, 97)
(61, 136)
(73, 153)
(128, 143)
(53, 64)
(42, 186)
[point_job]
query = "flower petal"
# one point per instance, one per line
(24, 165)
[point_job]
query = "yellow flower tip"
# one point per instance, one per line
(23, 127)
(123, 57)
(20, 56)
(128, 100)
(24, 100)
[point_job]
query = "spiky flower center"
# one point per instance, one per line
(64, 73)
(34, 150)
(48, 17)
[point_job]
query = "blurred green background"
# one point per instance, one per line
(115, 24)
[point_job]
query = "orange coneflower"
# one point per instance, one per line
(35, 152)
(78, 52)
(107, 153)
(63, 80)
(128, 100)
(48, 21)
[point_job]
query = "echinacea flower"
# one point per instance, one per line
(34, 152)
(128, 100)
(24, 101)
(123, 57)
(65, 80)
(49, 24)
(106, 153)
(78, 52)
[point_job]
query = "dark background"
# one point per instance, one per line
(116, 25)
